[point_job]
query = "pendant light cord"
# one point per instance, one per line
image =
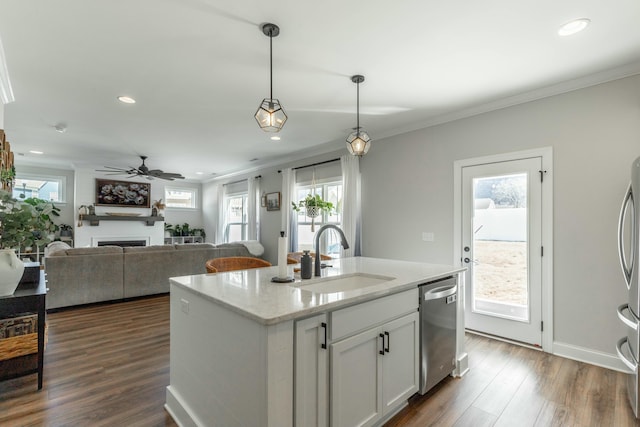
(271, 64)
(358, 109)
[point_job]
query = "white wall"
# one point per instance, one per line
(595, 134)
(1, 115)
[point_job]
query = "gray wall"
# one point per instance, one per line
(595, 134)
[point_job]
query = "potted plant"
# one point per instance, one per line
(313, 205)
(65, 230)
(185, 229)
(177, 230)
(168, 230)
(198, 232)
(26, 223)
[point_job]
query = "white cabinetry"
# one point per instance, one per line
(311, 372)
(373, 372)
(369, 368)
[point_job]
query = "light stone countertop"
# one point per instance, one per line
(253, 294)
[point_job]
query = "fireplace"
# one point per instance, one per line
(121, 240)
(122, 243)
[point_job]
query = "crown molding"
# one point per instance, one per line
(6, 93)
(594, 79)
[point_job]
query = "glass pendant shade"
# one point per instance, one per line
(270, 115)
(358, 142)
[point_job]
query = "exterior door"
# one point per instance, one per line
(502, 248)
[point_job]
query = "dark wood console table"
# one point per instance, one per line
(28, 298)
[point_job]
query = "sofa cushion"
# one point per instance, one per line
(192, 246)
(100, 250)
(143, 249)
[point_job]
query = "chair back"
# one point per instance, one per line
(294, 257)
(234, 263)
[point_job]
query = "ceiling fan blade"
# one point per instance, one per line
(111, 169)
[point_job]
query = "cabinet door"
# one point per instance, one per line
(356, 399)
(311, 373)
(400, 367)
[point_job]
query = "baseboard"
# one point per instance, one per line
(462, 366)
(586, 355)
(178, 410)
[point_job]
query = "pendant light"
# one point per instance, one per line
(270, 115)
(358, 142)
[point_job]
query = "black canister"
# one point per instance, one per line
(306, 265)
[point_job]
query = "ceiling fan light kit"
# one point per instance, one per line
(270, 115)
(358, 141)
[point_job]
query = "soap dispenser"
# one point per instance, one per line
(306, 265)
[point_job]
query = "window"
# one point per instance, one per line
(185, 198)
(51, 188)
(235, 217)
(330, 241)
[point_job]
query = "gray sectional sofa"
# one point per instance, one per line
(87, 275)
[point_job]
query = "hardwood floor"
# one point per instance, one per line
(105, 365)
(108, 365)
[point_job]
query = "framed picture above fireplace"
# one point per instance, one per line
(122, 193)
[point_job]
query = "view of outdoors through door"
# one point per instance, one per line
(500, 246)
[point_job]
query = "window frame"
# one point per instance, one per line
(193, 190)
(323, 219)
(61, 180)
(245, 215)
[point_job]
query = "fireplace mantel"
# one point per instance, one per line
(95, 219)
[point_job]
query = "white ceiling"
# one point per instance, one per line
(199, 69)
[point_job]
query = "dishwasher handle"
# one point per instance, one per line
(440, 292)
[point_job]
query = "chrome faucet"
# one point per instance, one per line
(343, 242)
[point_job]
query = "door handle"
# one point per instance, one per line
(386, 349)
(324, 344)
(633, 324)
(631, 364)
(627, 270)
(382, 351)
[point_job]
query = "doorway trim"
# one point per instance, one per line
(546, 153)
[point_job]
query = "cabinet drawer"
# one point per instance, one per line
(356, 318)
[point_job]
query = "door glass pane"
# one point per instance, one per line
(500, 270)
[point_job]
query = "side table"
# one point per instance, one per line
(28, 297)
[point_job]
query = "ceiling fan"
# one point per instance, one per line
(142, 170)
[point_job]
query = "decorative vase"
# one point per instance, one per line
(11, 270)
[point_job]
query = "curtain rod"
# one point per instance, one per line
(314, 164)
(241, 180)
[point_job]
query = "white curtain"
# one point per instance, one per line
(221, 215)
(351, 210)
(289, 223)
(253, 208)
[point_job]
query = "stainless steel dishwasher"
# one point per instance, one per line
(437, 331)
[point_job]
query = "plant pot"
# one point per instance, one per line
(11, 270)
(313, 211)
(65, 233)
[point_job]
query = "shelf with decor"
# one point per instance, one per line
(95, 219)
(183, 239)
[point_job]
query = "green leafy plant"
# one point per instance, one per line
(312, 202)
(26, 223)
(198, 232)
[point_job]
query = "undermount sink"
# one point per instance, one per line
(343, 283)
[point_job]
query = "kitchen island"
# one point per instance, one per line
(249, 352)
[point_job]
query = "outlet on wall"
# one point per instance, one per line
(428, 236)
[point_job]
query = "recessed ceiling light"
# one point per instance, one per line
(60, 128)
(35, 152)
(574, 26)
(126, 99)
(275, 138)
(199, 173)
